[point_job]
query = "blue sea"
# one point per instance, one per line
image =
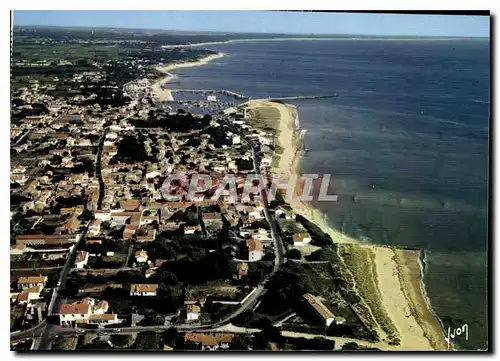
(406, 141)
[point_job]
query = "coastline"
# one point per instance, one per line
(231, 41)
(398, 276)
(163, 94)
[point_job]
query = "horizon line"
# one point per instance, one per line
(226, 32)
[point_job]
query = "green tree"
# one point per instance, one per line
(294, 254)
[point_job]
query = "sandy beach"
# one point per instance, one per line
(162, 94)
(397, 273)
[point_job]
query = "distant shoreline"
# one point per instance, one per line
(320, 39)
(163, 94)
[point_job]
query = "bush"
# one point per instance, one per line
(294, 254)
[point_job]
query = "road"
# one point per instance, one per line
(98, 168)
(45, 341)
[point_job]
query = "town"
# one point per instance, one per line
(101, 260)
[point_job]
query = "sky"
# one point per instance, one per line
(266, 22)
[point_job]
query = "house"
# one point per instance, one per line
(24, 283)
(191, 229)
(129, 231)
(103, 215)
(94, 227)
(255, 250)
(141, 256)
(169, 226)
(266, 161)
(290, 214)
(70, 313)
(102, 319)
(131, 205)
(192, 312)
(101, 307)
(301, 239)
(149, 272)
(32, 239)
(121, 218)
(18, 178)
(86, 311)
(143, 289)
(29, 294)
(82, 258)
(159, 262)
(210, 341)
(18, 169)
(321, 311)
(262, 235)
(241, 270)
(212, 219)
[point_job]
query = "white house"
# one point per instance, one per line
(255, 250)
(24, 283)
(86, 311)
(95, 227)
(30, 294)
(103, 319)
(322, 312)
(236, 140)
(153, 174)
(141, 256)
(103, 215)
(192, 312)
(191, 229)
(301, 239)
(144, 289)
(266, 161)
(70, 313)
(255, 214)
(82, 258)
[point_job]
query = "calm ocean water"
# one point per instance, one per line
(406, 142)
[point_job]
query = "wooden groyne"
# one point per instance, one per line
(303, 97)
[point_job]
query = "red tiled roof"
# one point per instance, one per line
(74, 309)
(254, 245)
(32, 279)
(207, 339)
(318, 306)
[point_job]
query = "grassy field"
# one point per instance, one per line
(265, 118)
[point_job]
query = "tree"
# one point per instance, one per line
(294, 254)
(120, 340)
(350, 346)
(86, 215)
(239, 342)
(70, 290)
(106, 225)
(170, 337)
